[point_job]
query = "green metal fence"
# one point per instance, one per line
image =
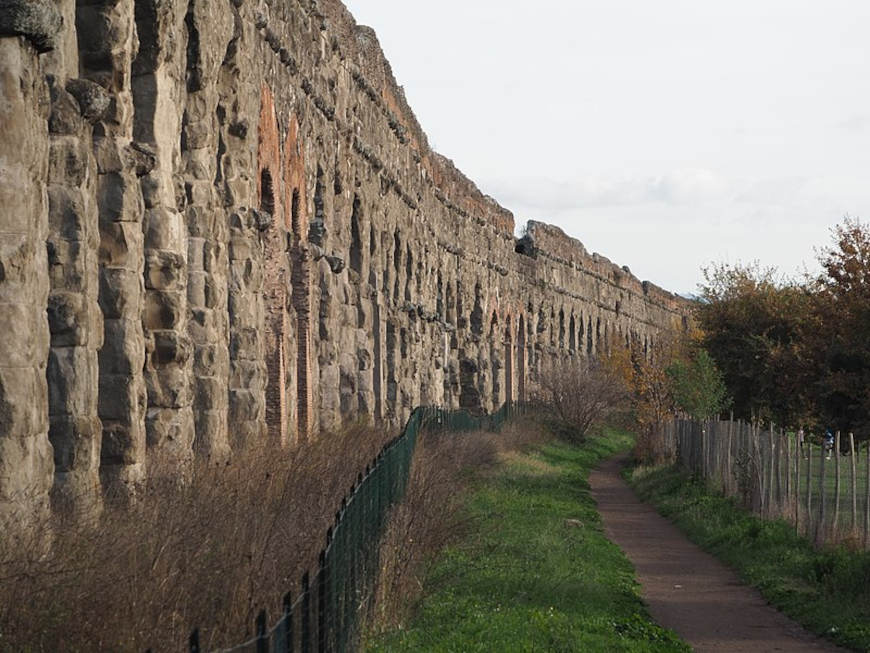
(329, 610)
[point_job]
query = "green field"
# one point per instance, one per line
(525, 579)
(827, 591)
(844, 524)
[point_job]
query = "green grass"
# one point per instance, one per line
(827, 591)
(523, 579)
(845, 499)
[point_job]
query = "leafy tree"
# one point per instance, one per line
(844, 334)
(697, 386)
(757, 327)
(643, 372)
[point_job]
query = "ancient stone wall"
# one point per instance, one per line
(223, 225)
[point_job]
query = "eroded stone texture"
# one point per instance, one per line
(26, 465)
(108, 44)
(234, 228)
(74, 316)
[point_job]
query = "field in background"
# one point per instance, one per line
(825, 494)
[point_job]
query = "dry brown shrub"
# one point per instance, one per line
(431, 516)
(581, 393)
(209, 553)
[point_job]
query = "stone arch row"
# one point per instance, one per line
(393, 261)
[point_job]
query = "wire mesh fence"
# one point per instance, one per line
(822, 488)
(332, 604)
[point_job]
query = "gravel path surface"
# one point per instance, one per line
(687, 589)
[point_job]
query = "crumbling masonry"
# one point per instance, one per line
(220, 224)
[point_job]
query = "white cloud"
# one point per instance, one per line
(664, 135)
(695, 186)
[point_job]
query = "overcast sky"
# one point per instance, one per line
(664, 135)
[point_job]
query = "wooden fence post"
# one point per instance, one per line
(820, 527)
(853, 457)
(729, 473)
(867, 502)
(771, 454)
(760, 467)
(836, 518)
(796, 490)
(784, 440)
(809, 500)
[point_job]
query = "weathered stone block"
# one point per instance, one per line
(140, 158)
(245, 374)
(163, 309)
(196, 253)
(170, 436)
(241, 249)
(76, 442)
(246, 274)
(211, 393)
(211, 360)
(23, 335)
(211, 440)
(65, 117)
(119, 198)
(170, 347)
(164, 270)
(196, 290)
(108, 155)
(204, 291)
(168, 387)
(37, 20)
(92, 98)
(17, 252)
(239, 192)
(123, 444)
(28, 468)
(68, 262)
(67, 216)
(202, 325)
(119, 292)
(164, 229)
(68, 160)
(121, 245)
(69, 319)
(123, 351)
(202, 220)
(245, 406)
(23, 402)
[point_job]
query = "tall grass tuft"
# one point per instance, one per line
(208, 551)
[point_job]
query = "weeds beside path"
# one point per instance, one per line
(826, 591)
(536, 571)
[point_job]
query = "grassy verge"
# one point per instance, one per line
(524, 577)
(827, 591)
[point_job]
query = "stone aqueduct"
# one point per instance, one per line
(221, 224)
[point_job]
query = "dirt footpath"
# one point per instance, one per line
(686, 589)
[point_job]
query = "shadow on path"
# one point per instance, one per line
(687, 589)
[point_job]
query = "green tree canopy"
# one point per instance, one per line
(697, 386)
(844, 336)
(755, 326)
